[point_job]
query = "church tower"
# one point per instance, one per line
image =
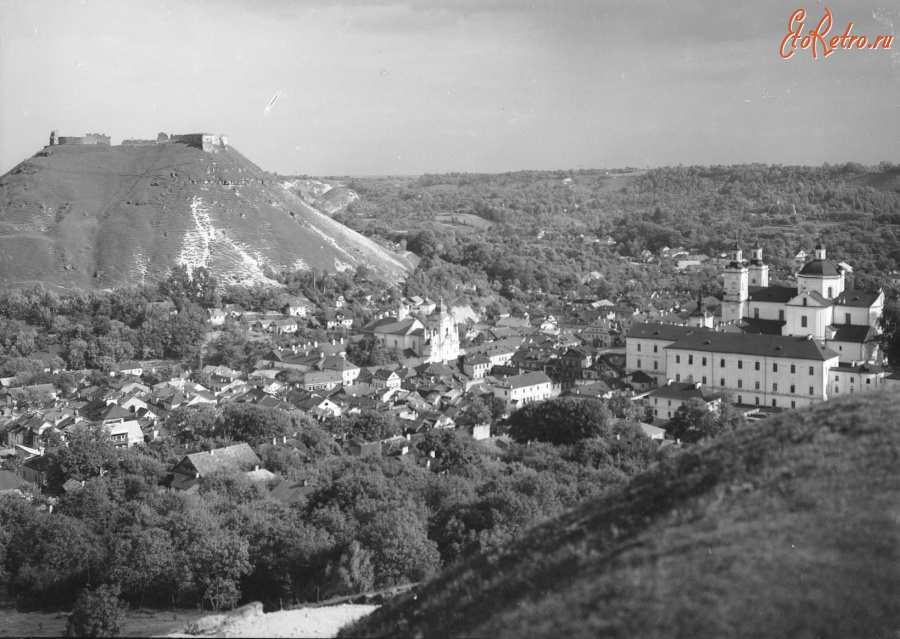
(442, 335)
(759, 272)
(734, 301)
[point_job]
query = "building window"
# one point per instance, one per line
(812, 371)
(774, 403)
(774, 387)
(793, 404)
(755, 313)
(704, 361)
(740, 363)
(690, 359)
(656, 366)
(757, 400)
(740, 399)
(678, 359)
(774, 368)
(639, 347)
(793, 369)
(837, 378)
(804, 301)
(846, 318)
(704, 380)
(851, 380)
(722, 382)
(677, 377)
(803, 320)
(639, 363)
(793, 389)
(670, 402)
(756, 384)
(781, 315)
(740, 383)
(830, 292)
(722, 363)
(756, 367)
(836, 390)
(812, 390)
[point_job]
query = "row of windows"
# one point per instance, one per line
(740, 384)
(740, 364)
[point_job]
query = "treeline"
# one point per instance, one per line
(539, 242)
(365, 523)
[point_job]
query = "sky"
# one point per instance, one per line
(405, 87)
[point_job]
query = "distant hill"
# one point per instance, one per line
(101, 216)
(787, 528)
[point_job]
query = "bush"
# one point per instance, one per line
(97, 613)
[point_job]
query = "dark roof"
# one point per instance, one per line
(755, 326)
(824, 268)
(860, 299)
(663, 331)
(777, 294)
(683, 391)
(291, 492)
(10, 481)
(228, 457)
(755, 345)
(851, 333)
(640, 377)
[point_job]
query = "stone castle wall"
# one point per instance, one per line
(89, 138)
(206, 141)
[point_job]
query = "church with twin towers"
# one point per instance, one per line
(778, 346)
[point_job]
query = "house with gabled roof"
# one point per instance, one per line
(524, 389)
(188, 472)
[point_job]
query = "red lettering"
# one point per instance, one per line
(887, 42)
(793, 33)
(846, 35)
(819, 36)
(861, 42)
(833, 42)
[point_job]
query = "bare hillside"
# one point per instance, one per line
(99, 217)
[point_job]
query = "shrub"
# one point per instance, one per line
(97, 613)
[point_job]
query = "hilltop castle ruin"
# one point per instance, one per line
(206, 141)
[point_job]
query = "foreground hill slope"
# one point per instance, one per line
(98, 217)
(788, 528)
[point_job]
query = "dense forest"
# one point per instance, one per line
(366, 522)
(528, 234)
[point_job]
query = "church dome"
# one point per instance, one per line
(822, 268)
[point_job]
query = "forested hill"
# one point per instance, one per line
(523, 231)
(100, 217)
(786, 528)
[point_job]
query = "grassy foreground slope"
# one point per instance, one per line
(788, 528)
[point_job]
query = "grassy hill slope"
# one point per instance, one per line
(97, 217)
(788, 528)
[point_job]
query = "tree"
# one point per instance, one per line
(696, 419)
(565, 420)
(97, 613)
(372, 426)
(456, 449)
(89, 452)
(687, 418)
(889, 340)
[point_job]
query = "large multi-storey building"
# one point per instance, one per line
(775, 346)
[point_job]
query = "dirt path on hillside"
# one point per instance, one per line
(305, 622)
